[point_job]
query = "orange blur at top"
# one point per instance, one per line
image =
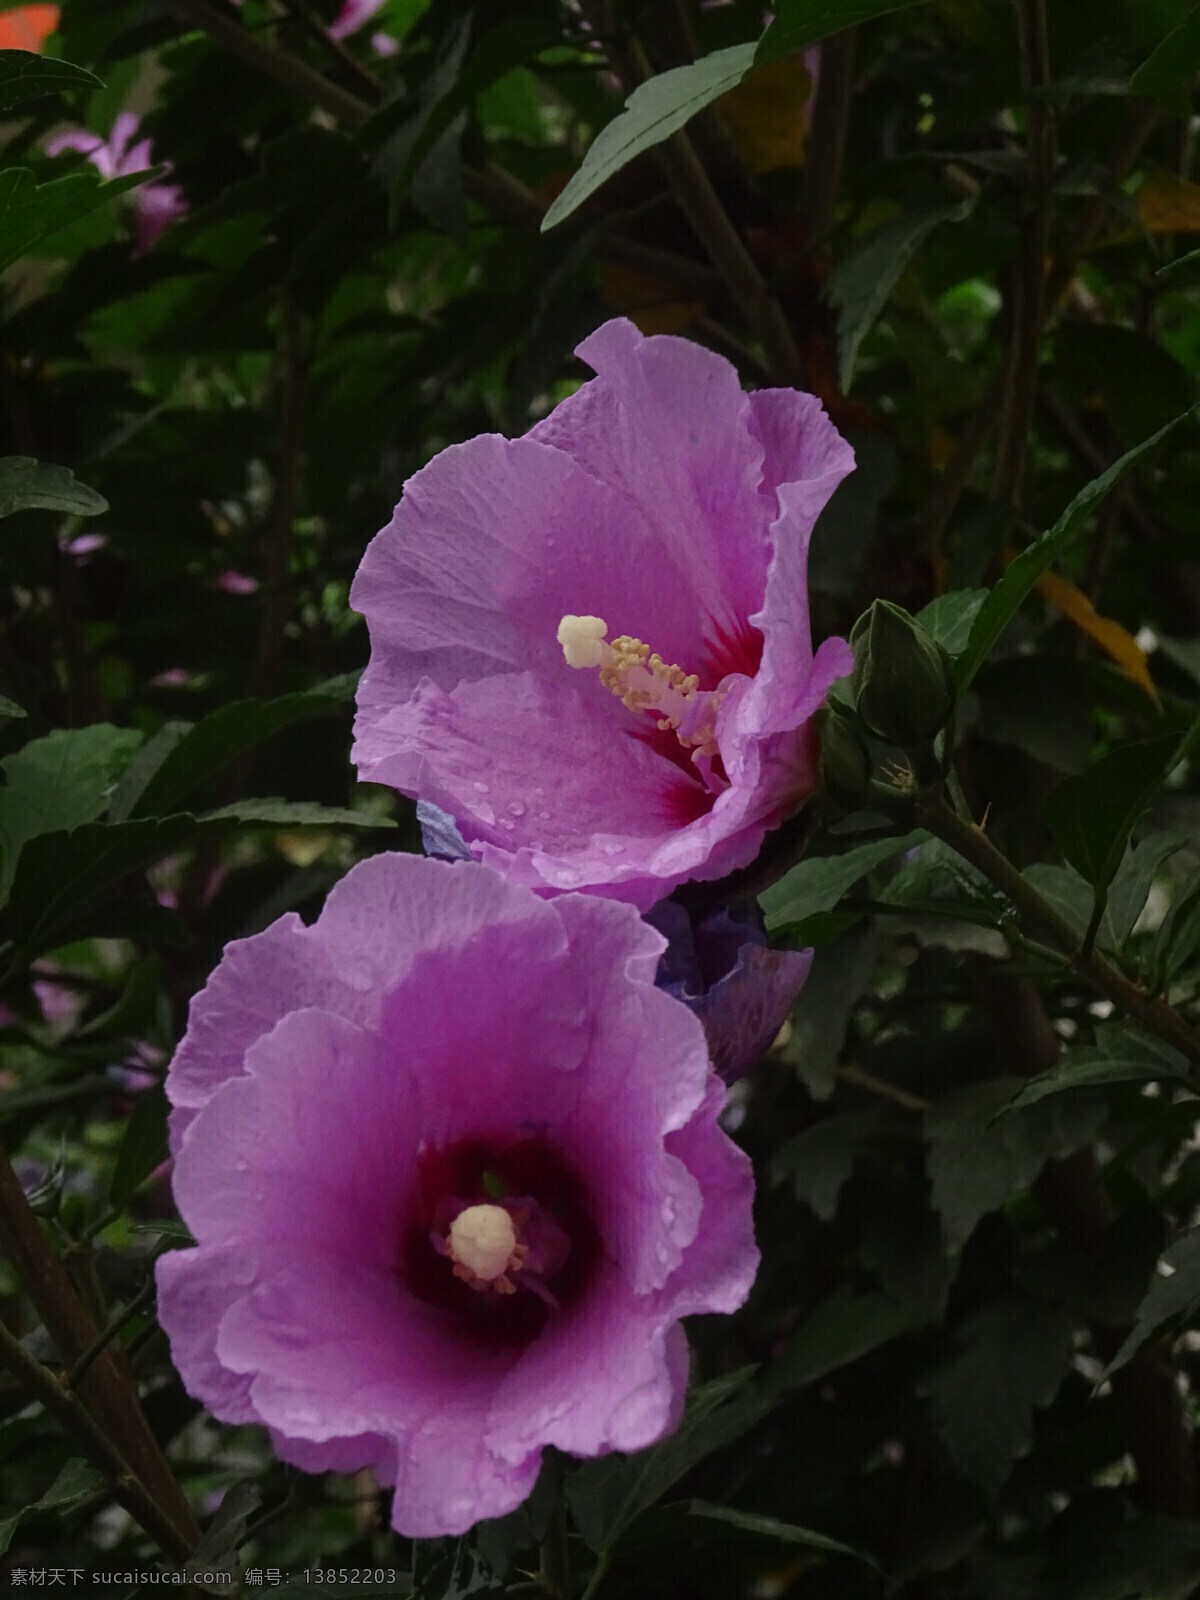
(27, 27)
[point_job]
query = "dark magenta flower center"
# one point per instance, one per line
(503, 1237)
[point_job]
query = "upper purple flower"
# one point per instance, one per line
(155, 205)
(591, 645)
(453, 1167)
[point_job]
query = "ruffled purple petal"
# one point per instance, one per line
(666, 424)
(724, 971)
(805, 458)
(718, 1272)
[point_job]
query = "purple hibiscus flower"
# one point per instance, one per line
(155, 205)
(453, 1167)
(591, 645)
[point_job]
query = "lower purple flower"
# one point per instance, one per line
(453, 1167)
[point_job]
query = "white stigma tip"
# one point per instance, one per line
(582, 640)
(482, 1239)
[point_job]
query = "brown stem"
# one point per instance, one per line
(957, 471)
(74, 1419)
(278, 64)
(111, 1400)
(1096, 460)
(1027, 302)
(947, 491)
(337, 51)
(1138, 128)
(1071, 1191)
(931, 811)
(827, 133)
(278, 609)
(701, 205)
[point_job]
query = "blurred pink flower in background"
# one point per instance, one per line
(354, 15)
(155, 205)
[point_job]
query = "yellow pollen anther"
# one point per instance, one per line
(484, 1249)
(643, 682)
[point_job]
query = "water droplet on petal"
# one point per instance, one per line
(567, 877)
(485, 814)
(480, 788)
(612, 848)
(544, 816)
(507, 824)
(516, 808)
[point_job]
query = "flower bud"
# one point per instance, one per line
(903, 678)
(845, 760)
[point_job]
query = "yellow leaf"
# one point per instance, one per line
(303, 848)
(940, 446)
(1112, 638)
(1167, 204)
(654, 306)
(767, 114)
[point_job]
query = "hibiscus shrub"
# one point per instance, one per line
(600, 716)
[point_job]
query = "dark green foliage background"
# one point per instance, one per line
(960, 1222)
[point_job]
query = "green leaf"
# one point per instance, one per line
(799, 23)
(1005, 1360)
(74, 1483)
(1130, 888)
(26, 483)
(938, 882)
(59, 782)
(1169, 66)
(192, 760)
(842, 1329)
(1174, 1296)
(26, 76)
(450, 89)
(143, 1147)
(1092, 816)
(1185, 653)
(819, 1161)
(30, 214)
(61, 890)
(818, 883)
(1120, 1056)
(274, 813)
(1066, 891)
(10, 708)
(769, 1528)
(654, 111)
(607, 1496)
(227, 1531)
(145, 763)
(821, 1016)
(977, 1163)
(1005, 598)
(950, 618)
(1178, 934)
(1116, 1554)
(860, 285)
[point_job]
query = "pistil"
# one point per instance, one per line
(643, 681)
(482, 1244)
